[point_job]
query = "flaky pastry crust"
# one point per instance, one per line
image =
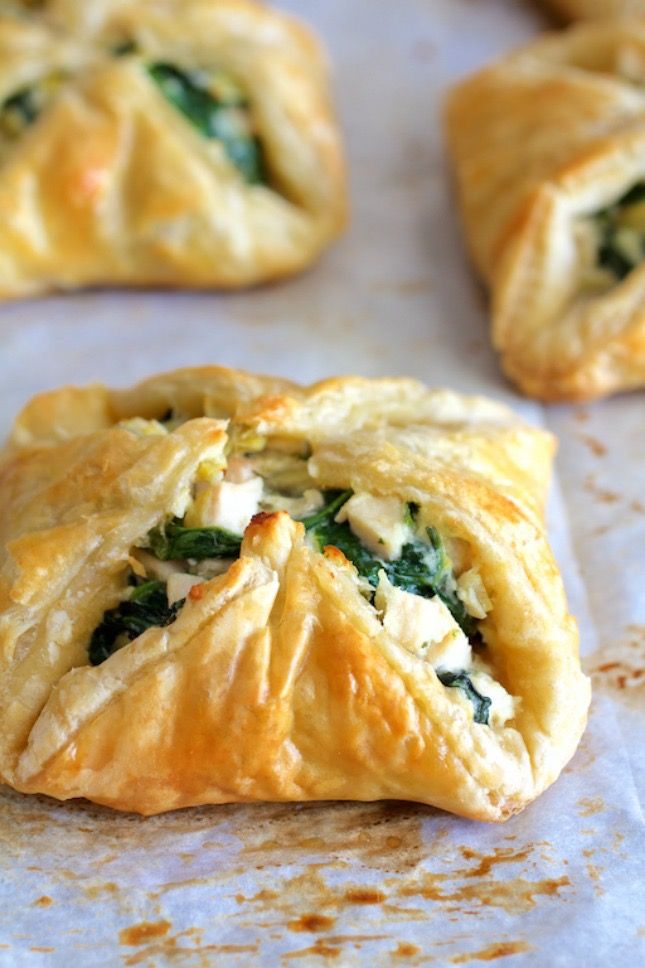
(278, 681)
(596, 9)
(544, 141)
(111, 184)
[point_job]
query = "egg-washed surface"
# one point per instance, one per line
(194, 142)
(326, 580)
(211, 102)
(547, 144)
(596, 9)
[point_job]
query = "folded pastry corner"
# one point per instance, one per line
(596, 9)
(217, 587)
(186, 144)
(548, 146)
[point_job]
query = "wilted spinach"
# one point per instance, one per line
(423, 569)
(225, 119)
(147, 607)
(613, 254)
(460, 680)
(19, 111)
(172, 540)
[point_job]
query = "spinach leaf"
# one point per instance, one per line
(342, 537)
(224, 119)
(423, 569)
(459, 680)
(147, 607)
(18, 112)
(609, 257)
(334, 501)
(613, 254)
(173, 540)
(124, 48)
(635, 194)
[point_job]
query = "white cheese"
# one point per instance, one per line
(209, 567)
(423, 626)
(297, 507)
(471, 591)
(154, 567)
(502, 704)
(179, 585)
(226, 505)
(378, 522)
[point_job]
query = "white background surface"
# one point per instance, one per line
(397, 884)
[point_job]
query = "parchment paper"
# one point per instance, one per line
(362, 884)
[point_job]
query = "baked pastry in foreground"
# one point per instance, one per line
(220, 587)
(548, 146)
(189, 143)
(597, 9)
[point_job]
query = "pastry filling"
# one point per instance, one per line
(429, 599)
(617, 239)
(214, 104)
(210, 100)
(22, 108)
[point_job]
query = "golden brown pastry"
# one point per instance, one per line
(548, 146)
(185, 143)
(596, 9)
(220, 587)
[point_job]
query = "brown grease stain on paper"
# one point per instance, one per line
(602, 494)
(373, 859)
(515, 896)
(493, 952)
(596, 447)
(319, 948)
(500, 855)
(587, 806)
(169, 950)
(594, 873)
(620, 669)
(312, 923)
(138, 934)
(382, 836)
(405, 950)
(361, 895)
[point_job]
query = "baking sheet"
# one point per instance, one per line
(362, 884)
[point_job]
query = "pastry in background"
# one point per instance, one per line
(219, 587)
(187, 144)
(596, 9)
(548, 147)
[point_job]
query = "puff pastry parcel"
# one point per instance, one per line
(183, 143)
(219, 587)
(549, 152)
(596, 9)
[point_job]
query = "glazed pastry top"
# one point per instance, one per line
(286, 543)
